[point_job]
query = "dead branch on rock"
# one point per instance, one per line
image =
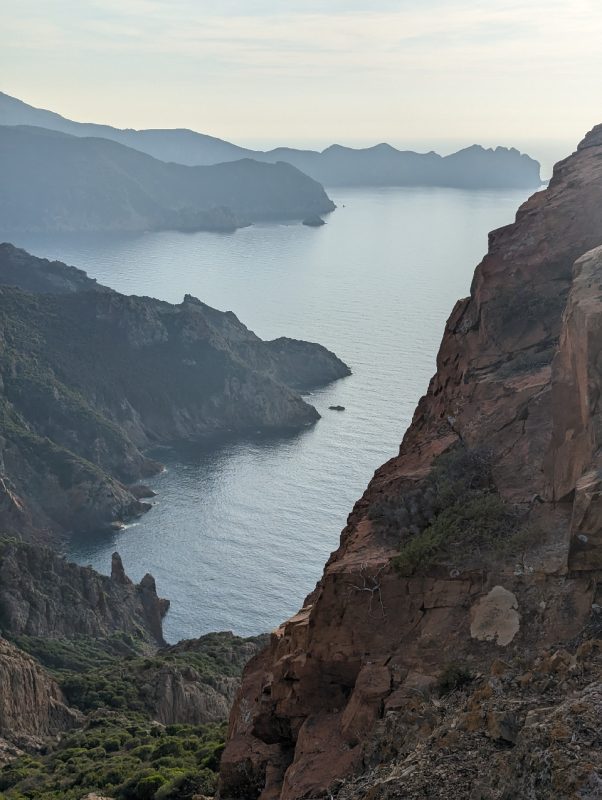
(371, 585)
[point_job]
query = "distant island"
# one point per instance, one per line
(474, 167)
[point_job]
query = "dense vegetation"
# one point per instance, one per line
(115, 674)
(122, 751)
(123, 755)
(455, 514)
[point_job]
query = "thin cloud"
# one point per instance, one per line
(447, 62)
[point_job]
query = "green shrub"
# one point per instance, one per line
(146, 787)
(454, 676)
(465, 513)
(170, 747)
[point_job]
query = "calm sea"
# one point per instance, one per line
(241, 528)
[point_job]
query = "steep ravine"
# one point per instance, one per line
(490, 552)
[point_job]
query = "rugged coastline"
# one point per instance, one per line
(456, 627)
(92, 378)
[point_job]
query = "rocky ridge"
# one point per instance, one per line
(381, 165)
(44, 595)
(478, 542)
(91, 378)
(39, 275)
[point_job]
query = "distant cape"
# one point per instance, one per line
(53, 181)
(474, 167)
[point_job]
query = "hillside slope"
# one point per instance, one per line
(54, 181)
(476, 549)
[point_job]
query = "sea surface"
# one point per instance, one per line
(242, 527)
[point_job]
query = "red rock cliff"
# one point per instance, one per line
(518, 377)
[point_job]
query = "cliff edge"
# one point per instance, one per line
(479, 542)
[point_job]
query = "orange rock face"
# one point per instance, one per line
(518, 373)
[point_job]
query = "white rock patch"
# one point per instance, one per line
(494, 617)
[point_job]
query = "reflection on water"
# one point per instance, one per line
(241, 529)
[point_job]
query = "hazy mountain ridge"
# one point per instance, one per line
(55, 181)
(381, 165)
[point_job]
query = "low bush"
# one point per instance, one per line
(454, 676)
(459, 514)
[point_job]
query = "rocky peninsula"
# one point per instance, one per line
(53, 181)
(92, 378)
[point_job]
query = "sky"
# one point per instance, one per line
(420, 73)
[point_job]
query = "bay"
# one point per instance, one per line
(241, 528)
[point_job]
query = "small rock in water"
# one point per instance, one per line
(314, 221)
(336, 408)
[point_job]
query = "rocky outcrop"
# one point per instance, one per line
(479, 541)
(89, 379)
(32, 707)
(43, 595)
(41, 276)
(304, 365)
(195, 681)
(523, 730)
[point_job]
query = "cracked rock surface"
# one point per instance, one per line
(518, 375)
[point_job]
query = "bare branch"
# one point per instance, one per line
(371, 585)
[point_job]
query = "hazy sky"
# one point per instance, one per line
(411, 71)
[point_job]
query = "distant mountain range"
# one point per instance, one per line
(54, 181)
(381, 165)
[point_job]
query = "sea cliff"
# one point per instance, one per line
(474, 553)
